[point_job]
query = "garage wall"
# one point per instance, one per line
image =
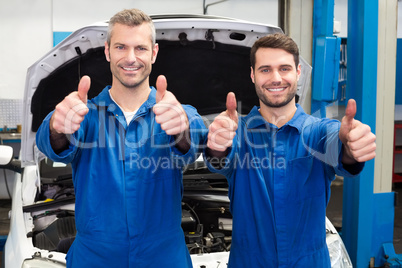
(26, 32)
(341, 15)
(27, 26)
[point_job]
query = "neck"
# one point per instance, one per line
(278, 116)
(130, 99)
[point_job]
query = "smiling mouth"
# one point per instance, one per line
(130, 69)
(276, 89)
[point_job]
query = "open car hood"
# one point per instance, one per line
(203, 58)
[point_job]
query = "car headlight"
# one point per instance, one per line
(337, 250)
(338, 254)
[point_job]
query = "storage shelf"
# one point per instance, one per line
(396, 176)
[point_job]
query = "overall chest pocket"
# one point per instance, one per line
(155, 158)
(304, 178)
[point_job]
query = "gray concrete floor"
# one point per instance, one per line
(334, 213)
(398, 221)
(5, 206)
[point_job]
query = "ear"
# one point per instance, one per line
(298, 72)
(155, 52)
(252, 74)
(107, 52)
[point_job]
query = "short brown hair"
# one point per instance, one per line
(277, 40)
(131, 17)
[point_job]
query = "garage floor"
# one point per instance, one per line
(334, 213)
(5, 206)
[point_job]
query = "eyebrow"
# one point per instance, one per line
(269, 66)
(122, 44)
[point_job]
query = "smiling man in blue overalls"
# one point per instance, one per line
(127, 147)
(280, 162)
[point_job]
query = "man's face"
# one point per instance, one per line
(275, 77)
(131, 55)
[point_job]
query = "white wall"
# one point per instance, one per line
(341, 14)
(399, 26)
(27, 26)
(26, 32)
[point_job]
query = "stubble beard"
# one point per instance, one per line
(133, 84)
(265, 100)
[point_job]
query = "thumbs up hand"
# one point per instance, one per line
(69, 113)
(223, 128)
(168, 111)
(357, 138)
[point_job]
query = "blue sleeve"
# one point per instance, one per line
(43, 144)
(198, 134)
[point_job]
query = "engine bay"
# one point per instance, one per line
(206, 220)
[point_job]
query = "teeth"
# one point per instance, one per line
(276, 89)
(130, 69)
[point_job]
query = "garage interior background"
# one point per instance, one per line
(28, 26)
(31, 27)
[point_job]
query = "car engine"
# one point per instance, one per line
(206, 220)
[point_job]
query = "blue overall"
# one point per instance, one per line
(279, 187)
(128, 186)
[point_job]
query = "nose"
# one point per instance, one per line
(131, 56)
(276, 77)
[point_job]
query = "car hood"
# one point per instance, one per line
(203, 58)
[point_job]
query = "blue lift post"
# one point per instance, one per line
(358, 211)
(326, 56)
(368, 218)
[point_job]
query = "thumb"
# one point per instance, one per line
(347, 121)
(161, 87)
(231, 106)
(350, 112)
(83, 88)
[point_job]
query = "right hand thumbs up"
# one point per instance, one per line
(83, 88)
(69, 113)
(223, 128)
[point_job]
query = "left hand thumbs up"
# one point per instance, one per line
(357, 138)
(168, 111)
(347, 120)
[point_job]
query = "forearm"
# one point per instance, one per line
(58, 141)
(183, 141)
(216, 158)
(216, 154)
